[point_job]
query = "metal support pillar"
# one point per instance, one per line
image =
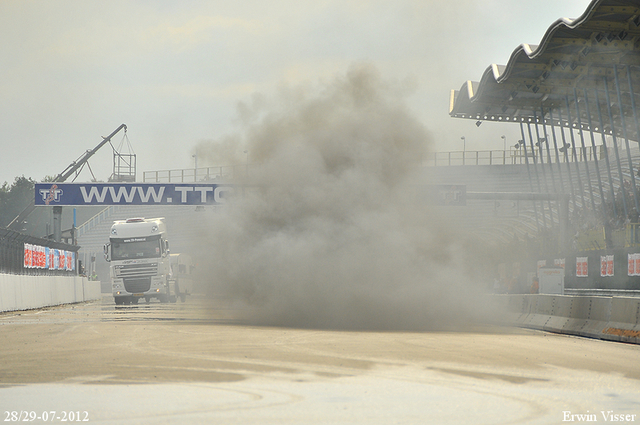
(535, 168)
(615, 145)
(606, 157)
(57, 223)
(584, 152)
(595, 156)
(566, 155)
(546, 142)
(575, 154)
(526, 161)
(633, 104)
(626, 139)
(555, 147)
(544, 172)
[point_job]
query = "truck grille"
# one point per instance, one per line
(135, 271)
(137, 285)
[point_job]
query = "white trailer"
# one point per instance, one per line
(181, 271)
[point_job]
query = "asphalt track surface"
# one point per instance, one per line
(195, 363)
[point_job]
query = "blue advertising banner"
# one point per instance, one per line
(52, 194)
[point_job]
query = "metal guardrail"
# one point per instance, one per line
(508, 157)
(603, 292)
(196, 174)
(517, 156)
(495, 157)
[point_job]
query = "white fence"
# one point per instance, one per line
(24, 292)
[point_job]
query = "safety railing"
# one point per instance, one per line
(196, 174)
(488, 157)
(510, 157)
(602, 292)
(96, 220)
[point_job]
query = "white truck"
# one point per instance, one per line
(138, 251)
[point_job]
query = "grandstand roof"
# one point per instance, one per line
(576, 59)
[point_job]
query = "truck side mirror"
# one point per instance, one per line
(106, 252)
(166, 247)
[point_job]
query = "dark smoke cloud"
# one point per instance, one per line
(333, 236)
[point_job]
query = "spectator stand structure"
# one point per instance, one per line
(573, 95)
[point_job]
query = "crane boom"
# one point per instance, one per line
(64, 175)
(75, 165)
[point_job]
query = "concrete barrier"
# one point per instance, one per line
(578, 315)
(609, 318)
(560, 314)
(511, 308)
(599, 314)
(541, 310)
(624, 324)
(23, 292)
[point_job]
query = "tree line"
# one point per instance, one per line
(14, 198)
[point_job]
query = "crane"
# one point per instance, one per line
(16, 223)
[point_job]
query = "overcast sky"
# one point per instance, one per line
(175, 71)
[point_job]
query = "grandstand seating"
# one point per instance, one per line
(488, 218)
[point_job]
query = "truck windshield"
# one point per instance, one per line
(142, 247)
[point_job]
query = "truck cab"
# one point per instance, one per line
(138, 251)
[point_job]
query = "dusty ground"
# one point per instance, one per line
(198, 342)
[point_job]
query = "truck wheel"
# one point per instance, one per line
(163, 298)
(134, 300)
(183, 298)
(172, 298)
(147, 299)
(118, 300)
